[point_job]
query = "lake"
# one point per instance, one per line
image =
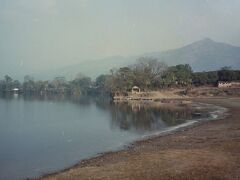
(48, 133)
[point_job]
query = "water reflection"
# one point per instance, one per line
(46, 133)
(134, 116)
(149, 117)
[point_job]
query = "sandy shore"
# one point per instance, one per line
(209, 150)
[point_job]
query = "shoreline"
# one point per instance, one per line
(162, 133)
(102, 158)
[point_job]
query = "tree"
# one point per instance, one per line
(28, 78)
(8, 83)
(225, 74)
(169, 77)
(41, 86)
(80, 84)
(58, 84)
(183, 73)
(16, 84)
(148, 72)
(101, 82)
(8, 79)
(28, 84)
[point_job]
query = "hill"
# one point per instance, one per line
(203, 55)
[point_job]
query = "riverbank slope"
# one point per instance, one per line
(209, 150)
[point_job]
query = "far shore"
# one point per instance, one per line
(178, 93)
(208, 150)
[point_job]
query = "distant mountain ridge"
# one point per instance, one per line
(203, 55)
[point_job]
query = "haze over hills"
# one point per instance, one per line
(203, 55)
(91, 68)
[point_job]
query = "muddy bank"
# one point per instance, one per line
(209, 150)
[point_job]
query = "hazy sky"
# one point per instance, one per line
(44, 34)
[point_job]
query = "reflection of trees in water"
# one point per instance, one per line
(79, 100)
(147, 118)
(102, 102)
(136, 117)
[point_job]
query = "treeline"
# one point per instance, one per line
(212, 77)
(150, 74)
(146, 73)
(59, 85)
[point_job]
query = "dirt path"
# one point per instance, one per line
(210, 150)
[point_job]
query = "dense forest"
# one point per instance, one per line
(146, 73)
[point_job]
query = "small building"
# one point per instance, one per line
(224, 84)
(15, 90)
(235, 84)
(135, 89)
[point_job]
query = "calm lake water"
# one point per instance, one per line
(45, 134)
